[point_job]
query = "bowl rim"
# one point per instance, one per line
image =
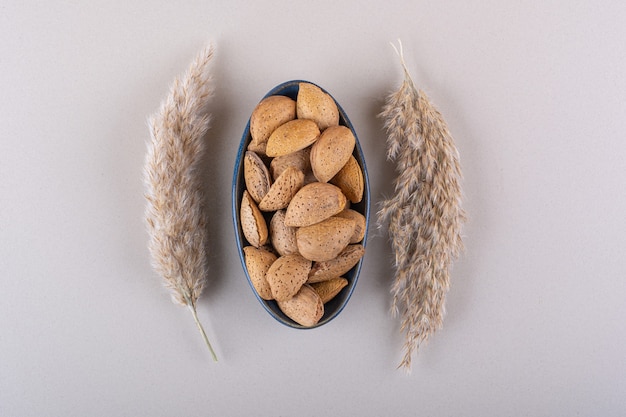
(287, 89)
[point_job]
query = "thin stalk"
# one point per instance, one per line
(192, 308)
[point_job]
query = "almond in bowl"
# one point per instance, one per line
(301, 159)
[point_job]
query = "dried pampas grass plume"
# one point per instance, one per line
(174, 213)
(424, 215)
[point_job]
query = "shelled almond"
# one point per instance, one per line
(327, 290)
(301, 176)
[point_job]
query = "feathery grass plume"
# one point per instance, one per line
(424, 215)
(174, 214)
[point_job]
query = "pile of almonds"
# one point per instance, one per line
(301, 177)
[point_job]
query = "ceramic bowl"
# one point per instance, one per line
(336, 305)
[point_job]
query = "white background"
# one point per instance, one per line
(534, 94)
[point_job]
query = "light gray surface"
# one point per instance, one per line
(534, 95)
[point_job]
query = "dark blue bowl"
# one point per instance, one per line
(336, 305)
